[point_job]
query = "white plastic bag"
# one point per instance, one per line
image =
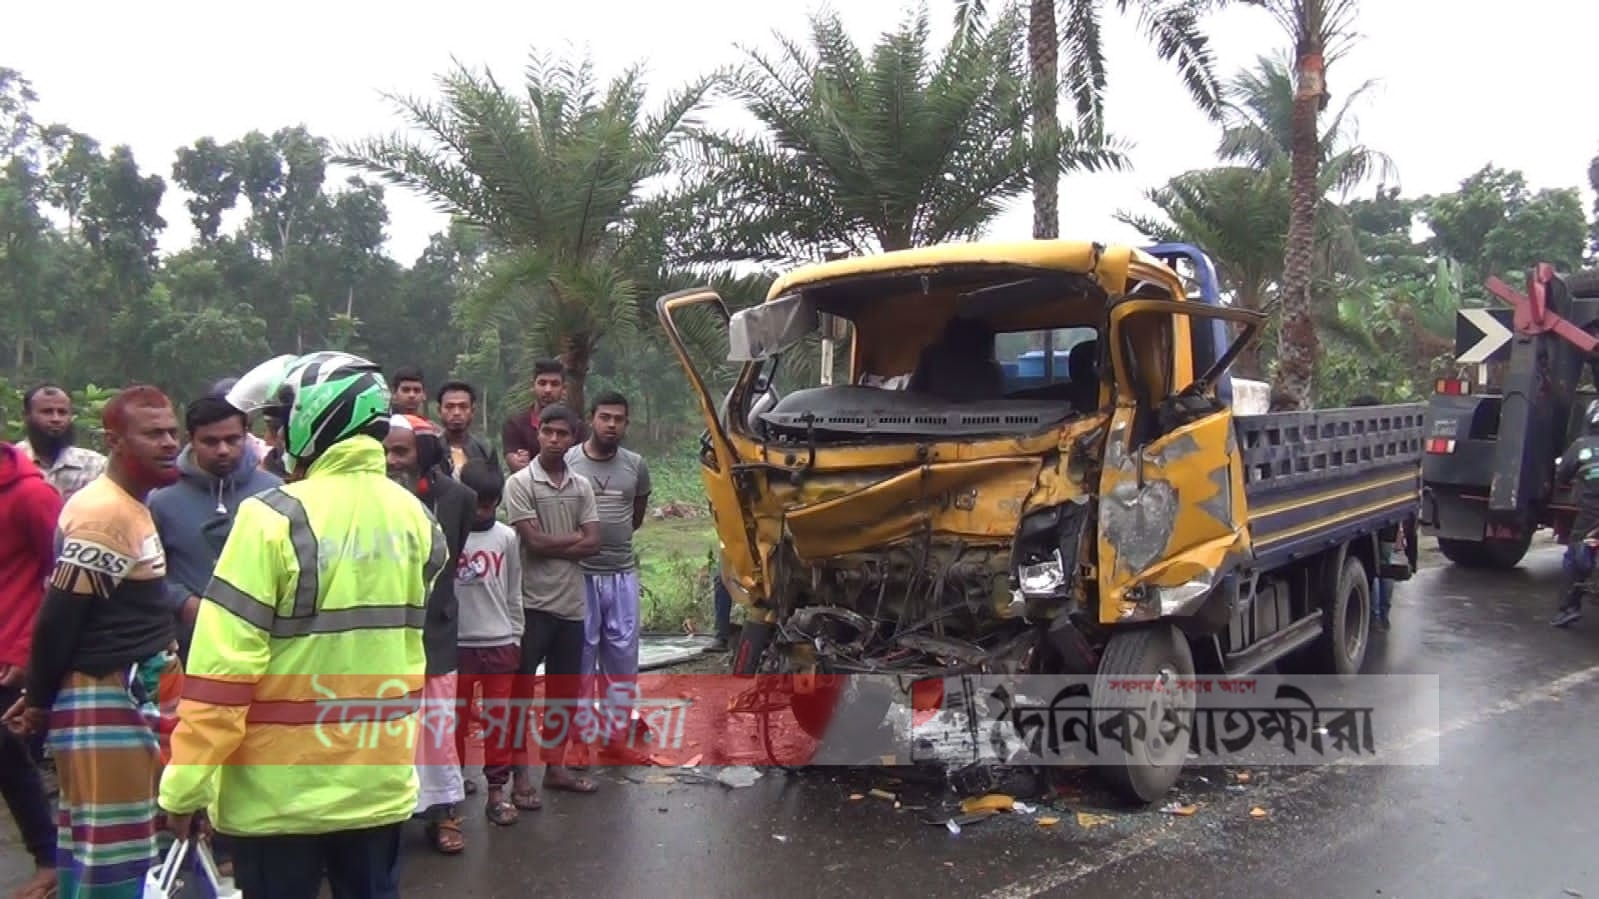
(167, 880)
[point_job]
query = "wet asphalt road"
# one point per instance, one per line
(1510, 810)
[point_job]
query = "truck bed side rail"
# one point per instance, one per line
(1325, 475)
(1285, 451)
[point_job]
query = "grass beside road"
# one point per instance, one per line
(674, 569)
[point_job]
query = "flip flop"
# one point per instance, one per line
(501, 812)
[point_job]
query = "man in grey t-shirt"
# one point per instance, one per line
(621, 484)
(552, 509)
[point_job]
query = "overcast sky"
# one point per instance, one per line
(1457, 90)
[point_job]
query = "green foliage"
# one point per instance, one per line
(553, 175)
(675, 473)
(1384, 303)
(881, 149)
(676, 558)
(1494, 225)
(1172, 29)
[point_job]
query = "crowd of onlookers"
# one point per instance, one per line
(539, 575)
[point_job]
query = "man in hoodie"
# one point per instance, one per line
(220, 468)
(416, 460)
(29, 508)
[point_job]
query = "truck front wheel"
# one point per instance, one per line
(1496, 555)
(1149, 766)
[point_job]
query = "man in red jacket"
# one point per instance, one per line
(29, 508)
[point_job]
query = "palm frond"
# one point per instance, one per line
(894, 146)
(1084, 78)
(969, 16)
(1173, 28)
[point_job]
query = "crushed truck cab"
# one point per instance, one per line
(974, 500)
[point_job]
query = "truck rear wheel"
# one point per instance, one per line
(1148, 770)
(1495, 555)
(1346, 622)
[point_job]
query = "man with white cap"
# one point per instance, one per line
(416, 456)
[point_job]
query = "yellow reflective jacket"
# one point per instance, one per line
(299, 710)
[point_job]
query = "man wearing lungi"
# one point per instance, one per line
(104, 639)
(621, 483)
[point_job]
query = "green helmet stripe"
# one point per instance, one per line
(335, 396)
(327, 422)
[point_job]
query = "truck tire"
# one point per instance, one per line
(1583, 285)
(1149, 771)
(1345, 623)
(1493, 555)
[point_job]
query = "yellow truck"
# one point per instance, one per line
(973, 501)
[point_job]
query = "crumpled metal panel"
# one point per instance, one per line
(979, 500)
(1171, 517)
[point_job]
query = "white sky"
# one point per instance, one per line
(1457, 90)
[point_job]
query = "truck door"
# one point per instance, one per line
(718, 458)
(1172, 514)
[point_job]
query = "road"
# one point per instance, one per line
(1508, 811)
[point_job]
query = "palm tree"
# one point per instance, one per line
(554, 175)
(859, 151)
(1239, 214)
(1172, 26)
(1258, 122)
(1321, 31)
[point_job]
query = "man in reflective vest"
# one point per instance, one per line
(297, 728)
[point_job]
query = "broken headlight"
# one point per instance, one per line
(1044, 553)
(1045, 578)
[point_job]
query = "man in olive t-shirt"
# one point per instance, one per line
(552, 510)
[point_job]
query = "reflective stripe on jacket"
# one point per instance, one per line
(299, 705)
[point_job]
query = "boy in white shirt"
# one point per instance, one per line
(488, 587)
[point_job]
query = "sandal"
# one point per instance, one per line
(446, 836)
(500, 811)
(569, 783)
(470, 786)
(527, 800)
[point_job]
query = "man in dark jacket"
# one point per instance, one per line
(417, 458)
(220, 468)
(457, 406)
(1580, 462)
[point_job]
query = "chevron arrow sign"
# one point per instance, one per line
(1483, 335)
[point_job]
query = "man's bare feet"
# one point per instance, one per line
(558, 777)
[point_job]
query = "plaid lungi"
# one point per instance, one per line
(110, 736)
